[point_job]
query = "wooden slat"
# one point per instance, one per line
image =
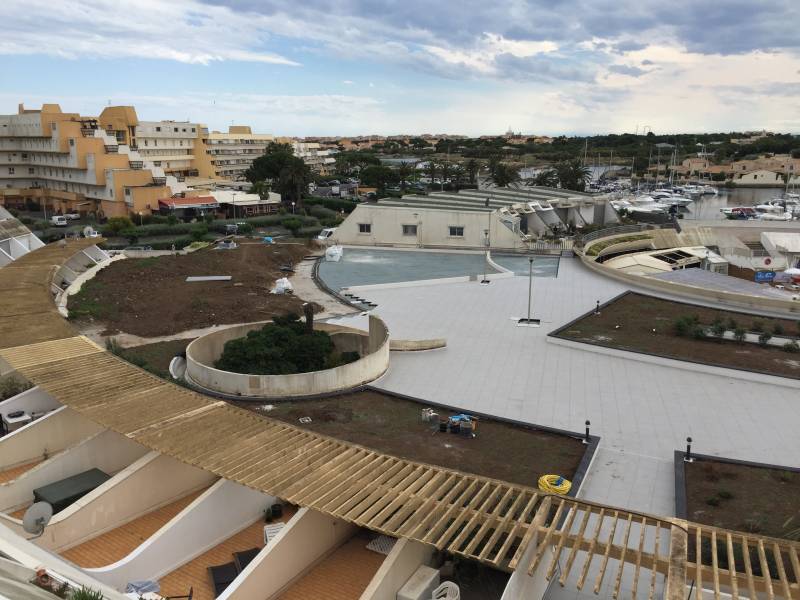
(542, 546)
(574, 550)
(762, 558)
(590, 552)
(748, 569)
(642, 530)
(621, 567)
(776, 552)
(601, 573)
(654, 571)
(560, 546)
(732, 567)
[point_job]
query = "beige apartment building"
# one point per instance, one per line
(69, 163)
(232, 153)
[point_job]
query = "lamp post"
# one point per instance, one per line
(233, 196)
(530, 287)
(486, 255)
(293, 207)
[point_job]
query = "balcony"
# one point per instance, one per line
(112, 149)
(159, 181)
(136, 164)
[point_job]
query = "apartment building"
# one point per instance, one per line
(232, 153)
(178, 147)
(318, 159)
(69, 163)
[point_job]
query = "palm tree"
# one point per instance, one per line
(293, 180)
(546, 178)
(458, 174)
(431, 170)
(504, 175)
(572, 175)
(404, 170)
(472, 170)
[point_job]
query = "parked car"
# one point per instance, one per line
(58, 220)
(138, 248)
(326, 233)
(72, 216)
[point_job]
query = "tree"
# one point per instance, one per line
(115, 225)
(268, 166)
(472, 169)
(262, 188)
(572, 175)
(377, 176)
(546, 178)
(504, 175)
(293, 181)
(404, 171)
(293, 224)
(431, 170)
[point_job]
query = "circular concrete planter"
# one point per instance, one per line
(372, 346)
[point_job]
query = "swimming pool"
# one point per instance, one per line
(369, 266)
(543, 266)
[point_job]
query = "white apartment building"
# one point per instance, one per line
(319, 160)
(233, 152)
(173, 146)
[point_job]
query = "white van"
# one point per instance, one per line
(58, 220)
(325, 234)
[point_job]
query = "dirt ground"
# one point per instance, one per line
(751, 499)
(155, 357)
(150, 296)
(637, 315)
(393, 425)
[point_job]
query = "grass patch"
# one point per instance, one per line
(154, 358)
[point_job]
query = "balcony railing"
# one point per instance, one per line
(136, 164)
(112, 149)
(159, 181)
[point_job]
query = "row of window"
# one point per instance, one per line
(411, 230)
(175, 129)
(31, 170)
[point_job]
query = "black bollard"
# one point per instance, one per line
(688, 457)
(586, 438)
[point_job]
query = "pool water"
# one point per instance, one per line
(543, 266)
(373, 266)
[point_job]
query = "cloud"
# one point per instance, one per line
(181, 30)
(348, 82)
(627, 70)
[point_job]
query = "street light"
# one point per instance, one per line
(486, 255)
(528, 321)
(292, 207)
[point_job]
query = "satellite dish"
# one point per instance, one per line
(37, 517)
(87, 231)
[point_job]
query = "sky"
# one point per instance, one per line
(353, 67)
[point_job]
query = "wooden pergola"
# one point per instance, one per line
(504, 525)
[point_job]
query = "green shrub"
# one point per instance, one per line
(739, 334)
(758, 326)
(199, 232)
(334, 204)
(11, 385)
(86, 594)
(764, 339)
(131, 233)
(718, 329)
(683, 326)
(792, 347)
(712, 501)
(115, 225)
(777, 329)
(172, 219)
(293, 224)
(732, 324)
(699, 332)
(725, 494)
(279, 348)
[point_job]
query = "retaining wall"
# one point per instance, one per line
(306, 539)
(108, 451)
(149, 483)
(220, 512)
(52, 433)
(201, 354)
(404, 559)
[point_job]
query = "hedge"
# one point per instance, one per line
(335, 204)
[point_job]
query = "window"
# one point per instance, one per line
(158, 128)
(362, 227)
(456, 231)
(10, 170)
(193, 130)
(409, 230)
(145, 143)
(30, 170)
(175, 129)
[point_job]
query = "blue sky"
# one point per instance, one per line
(348, 67)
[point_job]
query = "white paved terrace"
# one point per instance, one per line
(643, 411)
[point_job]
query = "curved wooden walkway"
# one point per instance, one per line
(505, 525)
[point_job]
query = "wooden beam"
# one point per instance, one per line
(676, 574)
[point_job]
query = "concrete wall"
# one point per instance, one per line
(758, 303)
(34, 400)
(307, 538)
(221, 511)
(201, 354)
(149, 483)
(432, 228)
(406, 556)
(52, 433)
(108, 451)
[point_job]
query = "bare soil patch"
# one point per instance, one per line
(747, 498)
(501, 450)
(628, 323)
(155, 357)
(150, 296)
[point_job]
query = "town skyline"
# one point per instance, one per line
(353, 68)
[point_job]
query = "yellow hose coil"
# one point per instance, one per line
(555, 484)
